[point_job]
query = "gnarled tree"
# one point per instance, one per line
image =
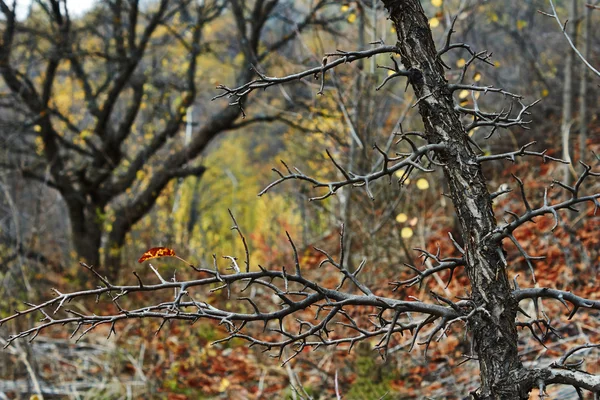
(99, 101)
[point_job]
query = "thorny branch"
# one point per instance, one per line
(511, 156)
(407, 161)
(296, 292)
(264, 81)
(500, 119)
(443, 264)
(506, 230)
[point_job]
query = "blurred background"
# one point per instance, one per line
(110, 144)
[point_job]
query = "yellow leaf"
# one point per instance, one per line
(390, 72)
(224, 385)
(401, 217)
(351, 18)
(461, 63)
(477, 77)
(400, 175)
(436, 3)
(422, 184)
(39, 145)
(406, 233)
(521, 24)
(463, 94)
(545, 92)
(85, 134)
(434, 22)
(37, 128)
(344, 8)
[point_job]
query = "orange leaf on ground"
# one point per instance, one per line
(156, 252)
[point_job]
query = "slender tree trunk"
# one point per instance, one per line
(493, 329)
(346, 211)
(567, 111)
(583, 118)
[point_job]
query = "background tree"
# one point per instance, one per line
(100, 102)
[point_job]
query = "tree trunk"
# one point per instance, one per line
(567, 111)
(583, 88)
(86, 232)
(113, 250)
(493, 329)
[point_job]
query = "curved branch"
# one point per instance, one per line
(560, 295)
(554, 15)
(264, 81)
(411, 162)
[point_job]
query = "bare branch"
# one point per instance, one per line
(522, 152)
(560, 295)
(554, 15)
(183, 306)
(264, 81)
(409, 161)
(506, 230)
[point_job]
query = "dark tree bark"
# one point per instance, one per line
(494, 333)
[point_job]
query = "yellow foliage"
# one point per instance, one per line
(224, 385)
(422, 184)
(401, 218)
(406, 233)
(39, 146)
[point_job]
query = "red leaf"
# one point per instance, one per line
(156, 252)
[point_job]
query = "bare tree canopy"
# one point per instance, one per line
(122, 118)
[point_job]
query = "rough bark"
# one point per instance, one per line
(493, 332)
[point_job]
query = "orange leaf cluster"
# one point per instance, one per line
(157, 252)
